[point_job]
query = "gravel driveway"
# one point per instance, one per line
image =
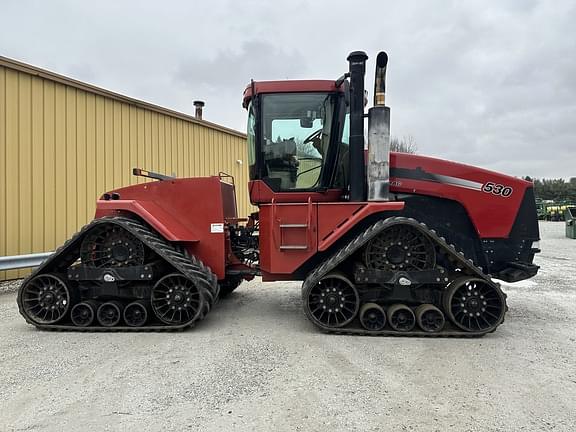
(256, 363)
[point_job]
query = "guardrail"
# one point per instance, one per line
(23, 261)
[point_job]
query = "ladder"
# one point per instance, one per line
(290, 227)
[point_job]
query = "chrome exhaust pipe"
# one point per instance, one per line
(378, 172)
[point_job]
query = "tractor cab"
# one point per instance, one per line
(295, 136)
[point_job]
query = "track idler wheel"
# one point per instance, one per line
(473, 304)
(333, 302)
(83, 314)
(109, 314)
(45, 299)
(401, 318)
(430, 318)
(176, 300)
(372, 317)
(136, 314)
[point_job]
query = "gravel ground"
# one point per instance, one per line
(256, 363)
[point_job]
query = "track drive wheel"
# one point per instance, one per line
(473, 304)
(110, 245)
(176, 300)
(45, 299)
(333, 302)
(400, 247)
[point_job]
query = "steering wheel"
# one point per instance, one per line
(314, 135)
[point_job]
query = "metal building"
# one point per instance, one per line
(64, 142)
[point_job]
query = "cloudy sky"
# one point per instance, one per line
(490, 83)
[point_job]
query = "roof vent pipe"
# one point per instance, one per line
(199, 105)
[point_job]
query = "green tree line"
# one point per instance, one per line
(555, 189)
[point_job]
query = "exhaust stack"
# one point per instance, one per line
(357, 61)
(379, 137)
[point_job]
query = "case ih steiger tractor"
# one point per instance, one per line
(385, 243)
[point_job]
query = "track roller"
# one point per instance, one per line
(109, 314)
(45, 299)
(136, 314)
(401, 318)
(430, 318)
(333, 302)
(372, 317)
(83, 314)
(473, 304)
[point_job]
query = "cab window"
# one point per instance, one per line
(296, 130)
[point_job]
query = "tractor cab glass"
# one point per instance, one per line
(293, 147)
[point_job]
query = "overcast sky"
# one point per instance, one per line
(490, 83)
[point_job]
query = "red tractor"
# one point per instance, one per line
(385, 243)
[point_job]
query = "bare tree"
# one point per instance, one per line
(406, 144)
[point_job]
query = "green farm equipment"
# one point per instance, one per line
(570, 218)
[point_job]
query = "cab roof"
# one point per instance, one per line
(289, 86)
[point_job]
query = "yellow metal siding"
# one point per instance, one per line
(62, 146)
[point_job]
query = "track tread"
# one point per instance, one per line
(190, 266)
(467, 267)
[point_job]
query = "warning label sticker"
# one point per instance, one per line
(217, 228)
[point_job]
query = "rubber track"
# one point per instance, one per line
(466, 265)
(190, 266)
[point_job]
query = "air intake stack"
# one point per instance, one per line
(379, 137)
